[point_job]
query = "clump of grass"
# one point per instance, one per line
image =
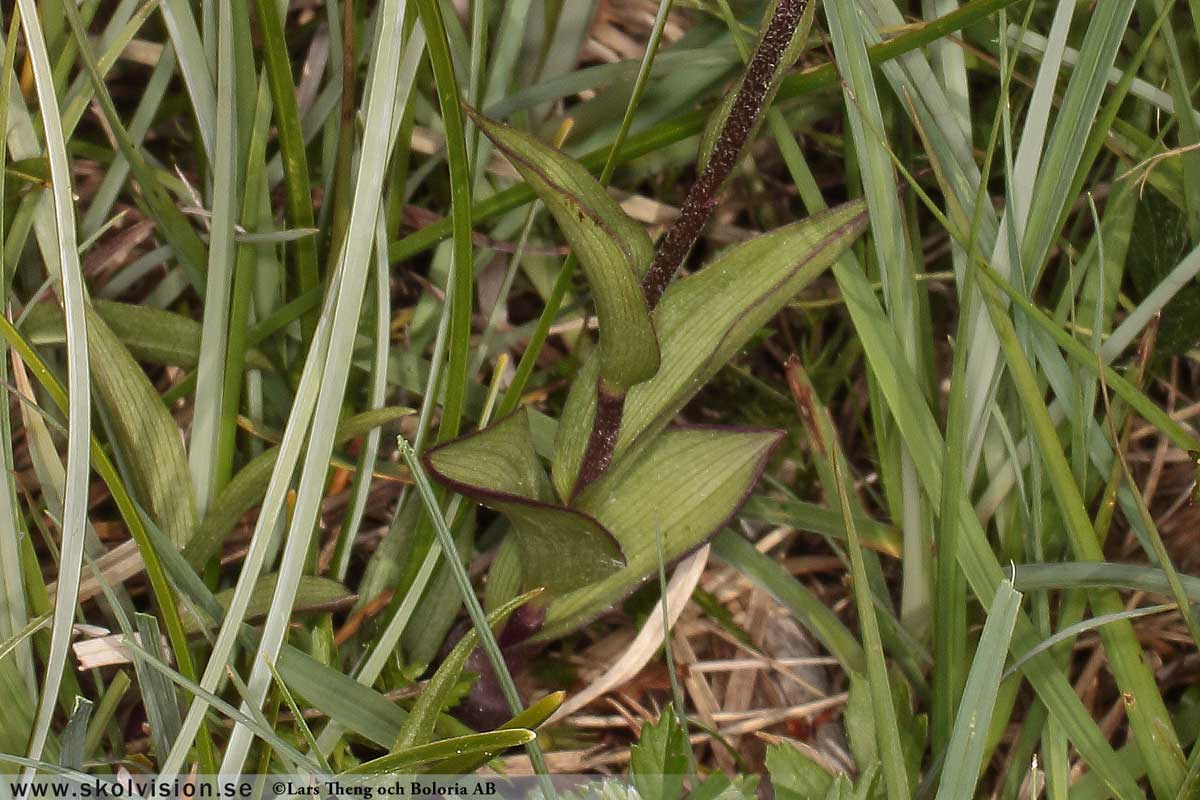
(970, 434)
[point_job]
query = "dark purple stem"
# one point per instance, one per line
(744, 113)
(603, 440)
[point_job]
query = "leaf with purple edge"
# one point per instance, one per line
(704, 320)
(686, 486)
(613, 250)
(561, 548)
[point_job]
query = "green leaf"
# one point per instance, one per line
(531, 718)
(794, 775)
(686, 486)
(313, 593)
(418, 728)
(808, 609)
(145, 432)
(1160, 241)
(704, 320)
(659, 761)
(561, 548)
(613, 250)
(249, 485)
(152, 335)
(964, 756)
(347, 702)
(443, 750)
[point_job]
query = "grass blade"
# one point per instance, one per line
(69, 272)
(964, 756)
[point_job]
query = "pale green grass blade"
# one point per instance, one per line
(964, 757)
(1088, 574)
(462, 263)
(1149, 719)
(380, 102)
(291, 445)
(896, 269)
(377, 399)
(14, 612)
(1071, 631)
(69, 272)
(1036, 44)
(203, 450)
(1064, 148)
(978, 562)
(194, 66)
(162, 706)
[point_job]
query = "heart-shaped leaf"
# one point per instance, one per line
(703, 320)
(613, 250)
(561, 548)
(688, 484)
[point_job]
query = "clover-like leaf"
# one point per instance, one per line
(703, 320)
(795, 775)
(687, 484)
(613, 250)
(561, 548)
(658, 762)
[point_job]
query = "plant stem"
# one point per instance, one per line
(747, 107)
(752, 97)
(606, 427)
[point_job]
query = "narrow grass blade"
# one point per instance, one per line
(964, 757)
(1069, 632)
(462, 265)
(74, 512)
(345, 313)
(206, 417)
(428, 755)
(193, 63)
(1149, 719)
